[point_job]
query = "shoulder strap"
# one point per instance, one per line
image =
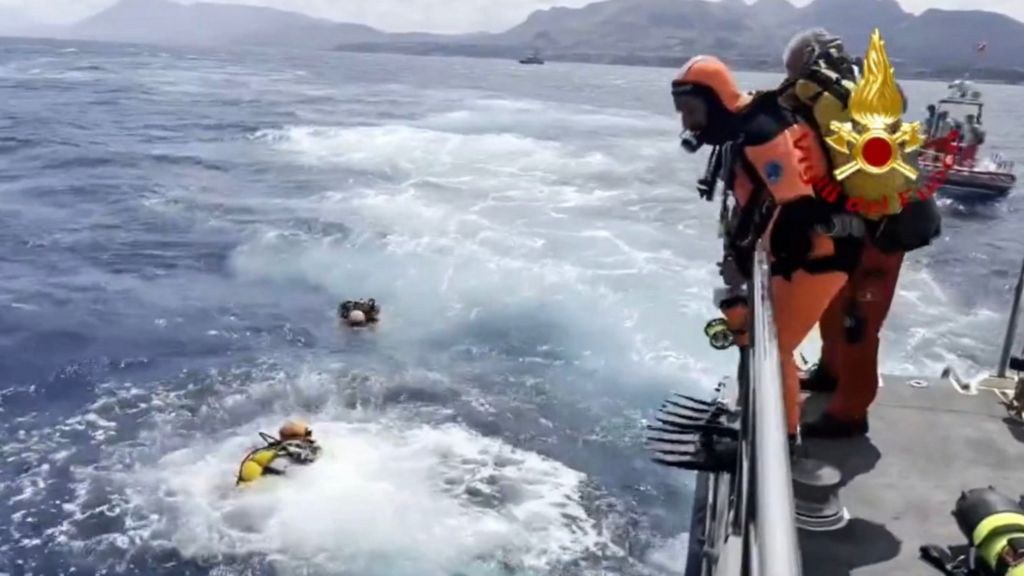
(832, 85)
(712, 173)
(806, 115)
(942, 560)
(756, 213)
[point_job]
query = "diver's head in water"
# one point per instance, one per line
(708, 102)
(359, 312)
(295, 430)
(356, 318)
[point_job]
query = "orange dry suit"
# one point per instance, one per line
(851, 325)
(757, 159)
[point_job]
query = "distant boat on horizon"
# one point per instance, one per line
(532, 59)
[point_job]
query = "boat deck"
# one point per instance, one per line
(925, 446)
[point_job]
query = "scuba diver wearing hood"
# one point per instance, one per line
(756, 156)
(819, 84)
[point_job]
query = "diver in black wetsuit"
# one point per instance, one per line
(359, 312)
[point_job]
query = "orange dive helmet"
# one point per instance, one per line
(709, 80)
(295, 430)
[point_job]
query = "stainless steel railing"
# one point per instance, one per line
(746, 525)
(773, 527)
(1011, 326)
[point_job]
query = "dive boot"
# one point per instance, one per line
(830, 427)
(818, 379)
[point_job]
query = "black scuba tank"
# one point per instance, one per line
(994, 525)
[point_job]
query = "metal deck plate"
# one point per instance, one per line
(925, 446)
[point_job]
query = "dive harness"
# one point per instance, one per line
(742, 226)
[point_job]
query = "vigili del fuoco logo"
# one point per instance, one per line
(876, 139)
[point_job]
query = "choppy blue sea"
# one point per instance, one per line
(177, 227)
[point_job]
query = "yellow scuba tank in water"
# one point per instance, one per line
(994, 525)
(255, 463)
(258, 463)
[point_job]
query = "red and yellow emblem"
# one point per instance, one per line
(878, 135)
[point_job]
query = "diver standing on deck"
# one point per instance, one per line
(852, 323)
(756, 158)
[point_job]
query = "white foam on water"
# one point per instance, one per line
(924, 329)
(390, 496)
(498, 115)
(382, 499)
(437, 258)
(497, 215)
(670, 557)
(490, 187)
(403, 151)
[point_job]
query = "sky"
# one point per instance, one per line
(448, 16)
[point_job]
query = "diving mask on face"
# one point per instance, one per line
(712, 123)
(689, 141)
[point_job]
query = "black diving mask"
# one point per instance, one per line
(689, 141)
(718, 122)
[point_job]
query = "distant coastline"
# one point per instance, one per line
(936, 44)
(1013, 76)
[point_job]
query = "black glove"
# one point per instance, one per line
(791, 239)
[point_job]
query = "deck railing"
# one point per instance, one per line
(1011, 326)
(772, 527)
(744, 520)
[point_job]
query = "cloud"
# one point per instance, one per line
(433, 15)
(53, 11)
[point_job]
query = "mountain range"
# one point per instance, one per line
(666, 32)
(644, 32)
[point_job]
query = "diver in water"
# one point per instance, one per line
(359, 312)
(294, 445)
